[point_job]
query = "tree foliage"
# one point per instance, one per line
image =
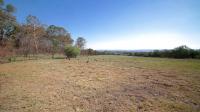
(8, 24)
(80, 42)
(32, 20)
(31, 37)
(55, 46)
(1, 2)
(178, 52)
(10, 8)
(53, 30)
(71, 51)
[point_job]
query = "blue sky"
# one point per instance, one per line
(120, 24)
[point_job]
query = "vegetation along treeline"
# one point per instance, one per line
(32, 37)
(178, 52)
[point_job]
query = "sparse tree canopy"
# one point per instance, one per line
(80, 42)
(32, 20)
(53, 30)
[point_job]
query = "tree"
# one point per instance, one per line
(90, 51)
(71, 52)
(8, 22)
(7, 29)
(80, 42)
(55, 46)
(24, 40)
(32, 20)
(155, 53)
(34, 23)
(53, 30)
(10, 8)
(181, 52)
(60, 33)
(178, 52)
(1, 3)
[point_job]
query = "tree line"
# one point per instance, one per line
(178, 52)
(32, 37)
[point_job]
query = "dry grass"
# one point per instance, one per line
(105, 84)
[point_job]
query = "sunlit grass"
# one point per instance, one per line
(39, 80)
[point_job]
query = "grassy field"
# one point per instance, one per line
(104, 84)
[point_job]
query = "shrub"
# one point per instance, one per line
(71, 52)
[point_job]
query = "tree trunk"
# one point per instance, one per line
(35, 42)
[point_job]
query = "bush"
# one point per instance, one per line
(71, 52)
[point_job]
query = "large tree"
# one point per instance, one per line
(8, 22)
(60, 34)
(35, 29)
(28, 37)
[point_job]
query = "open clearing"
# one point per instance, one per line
(105, 84)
